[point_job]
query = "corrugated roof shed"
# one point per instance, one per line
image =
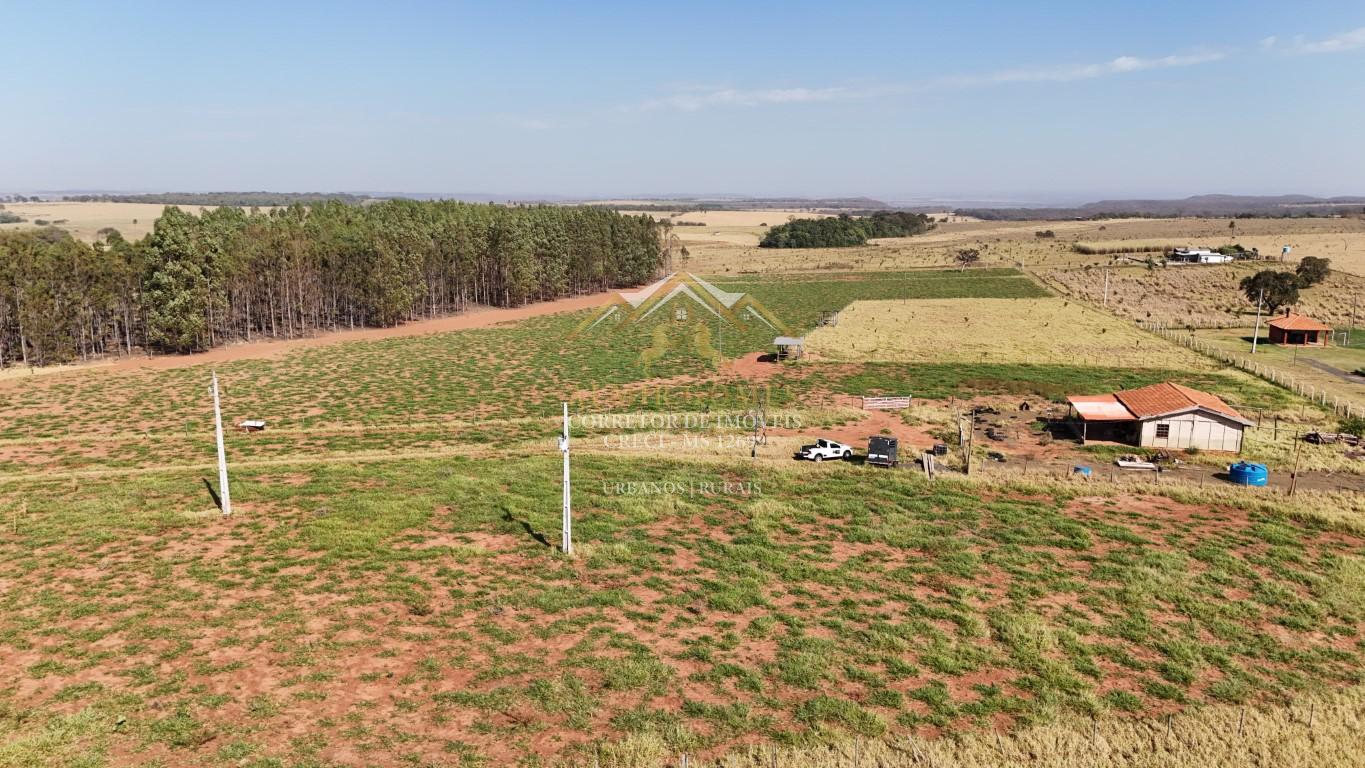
(1100, 408)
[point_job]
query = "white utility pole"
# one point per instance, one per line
(566, 542)
(1351, 328)
(1106, 286)
(1256, 335)
(224, 496)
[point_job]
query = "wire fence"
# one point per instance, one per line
(1134, 480)
(1339, 406)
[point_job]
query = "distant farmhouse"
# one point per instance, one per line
(1299, 330)
(1165, 415)
(1198, 256)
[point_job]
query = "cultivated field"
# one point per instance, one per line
(1048, 331)
(387, 591)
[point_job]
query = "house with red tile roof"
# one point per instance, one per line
(1165, 415)
(1299, 330)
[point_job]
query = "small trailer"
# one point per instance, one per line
(251, 425)
(882, 451)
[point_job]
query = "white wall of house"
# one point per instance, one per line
(1197, 429)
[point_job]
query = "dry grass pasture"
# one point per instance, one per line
(1048, 331)
(1200, 295)
(1015, 243)
(84, 220)
(728, 228)
(1001, 243)
(1223, 735)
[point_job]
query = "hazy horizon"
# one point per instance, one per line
(973, 102)
(1040, 201)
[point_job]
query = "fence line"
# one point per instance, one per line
(1337, 405)
(1134, 481)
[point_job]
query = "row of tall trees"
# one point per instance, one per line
(196, 282)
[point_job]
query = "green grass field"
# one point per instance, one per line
(411, 612)
(1323, 368)
(387, 592)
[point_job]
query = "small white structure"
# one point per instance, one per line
(1199, 256)
(790, 347)
(1162, 415)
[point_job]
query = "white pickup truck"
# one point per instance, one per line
(824, 449)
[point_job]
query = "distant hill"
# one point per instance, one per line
(851, 205)
(1271, 206)
(244, 199)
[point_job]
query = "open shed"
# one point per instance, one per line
(1299, 330)
(790, 347)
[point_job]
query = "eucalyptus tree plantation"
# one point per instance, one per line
(196, 282)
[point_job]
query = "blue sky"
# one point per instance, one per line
(971, 100)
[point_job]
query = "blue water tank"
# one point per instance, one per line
(1248, 473)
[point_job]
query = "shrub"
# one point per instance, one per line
(1354, 425)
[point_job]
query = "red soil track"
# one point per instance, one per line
(477, 317)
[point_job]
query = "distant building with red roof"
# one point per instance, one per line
(1299, 330)
(1165, 415)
